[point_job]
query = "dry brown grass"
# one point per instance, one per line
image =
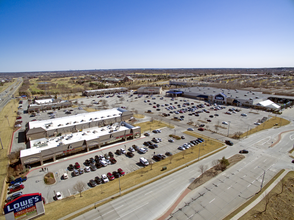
(66, 206)
(139, 116)
(267, 125)
(147, 126)
(280, 204)
(6, 130)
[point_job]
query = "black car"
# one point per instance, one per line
(130, 154)
(228, 142)
(116, 174)
(157, 158)
(118, 152)
(136, 147)
(243, 151)
(87, 162)
(152, 146)
(110, 154)
(70, 167)
(92, 160)
(98, 165)
(92, 183)
(98, 180)
(168, 154)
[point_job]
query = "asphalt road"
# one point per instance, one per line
(215, 199)
(7, 94)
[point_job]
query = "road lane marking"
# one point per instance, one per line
(212, 200)
(132, 211)
(107, 212)
(255, 167)
(249, 185)
(252, 181)
(230, 187)
(148, 193)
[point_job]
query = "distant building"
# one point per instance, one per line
(48, 104)
(128, 79)
(149, 90)
(104, 91)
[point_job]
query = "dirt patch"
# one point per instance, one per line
(214, 171)
(49, 178)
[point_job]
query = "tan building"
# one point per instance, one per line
(149, 90)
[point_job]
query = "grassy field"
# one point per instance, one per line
(149, 126)
(267, 125)
(7, 119)
(6, 85)
(66, 206)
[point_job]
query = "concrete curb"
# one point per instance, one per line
(261, 197)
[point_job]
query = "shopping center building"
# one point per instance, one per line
(230, 97)
(52, 139)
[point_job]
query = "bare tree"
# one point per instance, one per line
(202, 169)
(79, 187)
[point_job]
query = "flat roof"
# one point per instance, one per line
(54, 123)
(87, 134)
(109, 89)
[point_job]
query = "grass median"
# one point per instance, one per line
(58, 209)
(151, 125)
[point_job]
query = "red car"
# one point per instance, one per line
(200, 129)
(121, 172)
(77, 165)
(110, 176)
(19, 117)
(20, 187)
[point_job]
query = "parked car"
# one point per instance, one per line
(17, 188)
(225, 123)
(98, 180)
(171, 140)
(19, 117)
(87, 169)
(118, 152)
(123, 151)
(200, 129)
(65, 176)
(142, 150)
(135, 147)
(190, 129)
(243, 114)
(104, 178)
(121, 172)
(131, 149)
(130, 154)
(116, 174)
(110, 154)
(243, 151)
(18, 180)
(70, 167)
(13, 196)
(77, 165)
(144, 161)
(75, 172)
(58, 196)
(168, 154)
(110, 176)
(92, 183)
(147, 134)
(112, 160)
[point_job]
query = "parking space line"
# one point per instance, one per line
(212, 200)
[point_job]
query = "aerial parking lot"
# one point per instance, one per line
(214, 121)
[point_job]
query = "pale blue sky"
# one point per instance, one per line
(48, 35)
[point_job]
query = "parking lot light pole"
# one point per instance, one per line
(119, 185)
(229, 128)
(262, 178)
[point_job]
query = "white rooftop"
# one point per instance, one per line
(43, 101)
(54, 123)
(87, 134)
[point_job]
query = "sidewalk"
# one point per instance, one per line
(133, 188)
(261, 197)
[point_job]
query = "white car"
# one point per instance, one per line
(87, 169)
(144, 161)
(225, 123)
(257, 123)
(142, 150)
(131, 149)
(123, 151)
(181, 148)
(104, 178)
(65, 176)
(103, 163)
(58, 196)
(243, 114)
